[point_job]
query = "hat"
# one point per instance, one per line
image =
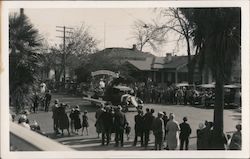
(185, 118)
(22, 118)
(26, 112)
(119, 107)
(56, 101)
(77, 107)
(85, 111)
(201, 126)
(238, 126)
(160, 113)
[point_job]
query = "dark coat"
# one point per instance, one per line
(77, 120)
(158, 126)
(185, 131)
(107, 120)
(120, 120)
(148, 121)
(85, 122)
(139, 123)
(63, 118)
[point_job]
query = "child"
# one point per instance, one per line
(127, 130)
(71, 116)
(85, 123)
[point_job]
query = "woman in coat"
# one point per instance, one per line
(77, 120)
(235, 143)
(63, 118)
(172, 129)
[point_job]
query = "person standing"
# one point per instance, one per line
(185, 132)
(200, 137)
(77, 120)
(85, 123)
(235, 143)
(98, 124)
(172, 132)
(138, 127)
(47, 100)
(165, 120)
(158, 130)
(55, 116)
(120, 122)
(71, 116)
(148, 121)
(63, 118)
(35, 102)
(106, 120)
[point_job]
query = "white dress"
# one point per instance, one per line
(172, 134)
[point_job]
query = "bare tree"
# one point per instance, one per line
(148, 35)
(177, 23)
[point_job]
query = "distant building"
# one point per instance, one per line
(165, 70)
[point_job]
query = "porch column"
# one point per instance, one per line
(162, 77)
(176, 76)
(154, 76)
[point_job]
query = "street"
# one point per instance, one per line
(195, 115)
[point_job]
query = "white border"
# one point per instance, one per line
(126, 154)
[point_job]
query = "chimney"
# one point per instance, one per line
(21, 11)
(134, 47)
(168, 57)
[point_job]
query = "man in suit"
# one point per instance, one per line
(106, 119)
(158, 129)
(120, 122)
(138, 127)
(185, 132)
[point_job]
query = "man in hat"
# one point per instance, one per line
(120, 122)
(185, 132)
(158, 130)
(55, 116)
(139, 127)
(106, 120)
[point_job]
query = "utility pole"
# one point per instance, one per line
(64, 31)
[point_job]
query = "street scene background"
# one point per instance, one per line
(185, 62)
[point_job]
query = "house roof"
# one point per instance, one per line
(160, 63)
(123, 53)
(144, 65)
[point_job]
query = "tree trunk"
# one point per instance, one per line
(189, 65)
(218, 138)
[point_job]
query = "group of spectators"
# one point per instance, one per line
(164, 128)
(173, 95)
(41, 99)
(61, 121)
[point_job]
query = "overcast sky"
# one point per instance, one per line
(116, 23)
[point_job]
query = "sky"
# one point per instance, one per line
(113, 27)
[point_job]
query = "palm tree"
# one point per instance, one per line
(217, 35)
(24, 41)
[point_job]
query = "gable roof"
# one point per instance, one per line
(160, 63)
(144, 65)
(123, 53)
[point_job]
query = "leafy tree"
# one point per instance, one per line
(217, 34)
(24, 41)
(79, 44)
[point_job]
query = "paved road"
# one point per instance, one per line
(91, 142)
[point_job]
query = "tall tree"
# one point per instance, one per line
(175, 22)
(217, 32)
(24, 41)
(79, 44)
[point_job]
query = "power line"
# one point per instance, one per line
(64, 31)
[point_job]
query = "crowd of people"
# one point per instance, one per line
(174, 95)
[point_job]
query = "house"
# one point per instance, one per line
(163, 70)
